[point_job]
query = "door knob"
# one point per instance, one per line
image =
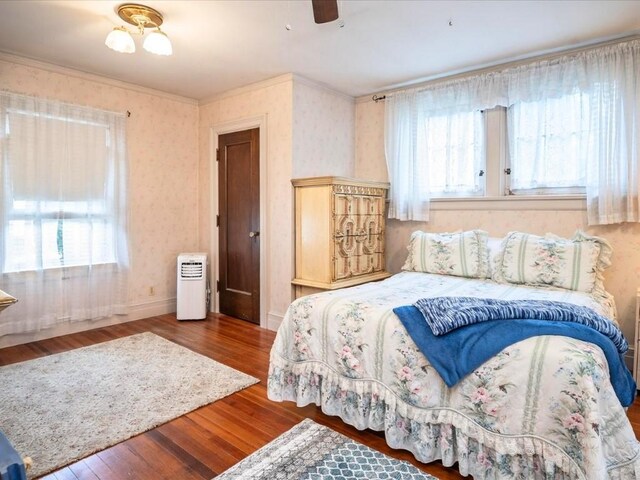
(254, 234)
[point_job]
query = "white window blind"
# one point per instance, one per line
(58, 212)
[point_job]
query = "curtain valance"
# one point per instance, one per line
(580, 71)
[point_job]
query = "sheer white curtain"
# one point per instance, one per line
(408, 192)
(549, 143)
(63, 186)
(613, 176)
(601, 83)
(430, 152)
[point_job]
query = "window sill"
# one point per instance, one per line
(63, 273)
(512, 202)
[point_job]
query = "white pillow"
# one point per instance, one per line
(575, 264)
(462, 254)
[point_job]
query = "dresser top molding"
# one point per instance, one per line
(304, 182)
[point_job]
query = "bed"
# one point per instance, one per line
(541, 408)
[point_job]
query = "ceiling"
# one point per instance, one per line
(219, 45)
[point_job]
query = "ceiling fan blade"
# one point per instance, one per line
(325, 10)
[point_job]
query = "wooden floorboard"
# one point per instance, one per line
(207, 441)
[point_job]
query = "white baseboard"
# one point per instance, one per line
(152, 308)
(274, 320)
(136, 312)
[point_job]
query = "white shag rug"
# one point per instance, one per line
(64, 407)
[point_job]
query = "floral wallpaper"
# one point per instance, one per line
(309, 133)
(622, 279)
(323, 132)
(162, 138)
(276, 102)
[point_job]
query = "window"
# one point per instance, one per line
(49, 223)
(63, 212)
(43, 234)
(548, 144)
(568, 124)
(543, 145)
(452, 149)
(57, 210)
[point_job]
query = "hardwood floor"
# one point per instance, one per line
(207, 441)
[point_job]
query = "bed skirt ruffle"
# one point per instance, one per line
(429, 433)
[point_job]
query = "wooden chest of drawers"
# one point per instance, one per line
(339, 233)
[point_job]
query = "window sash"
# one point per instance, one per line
(452, 146)
(548, 145)
(42, 242)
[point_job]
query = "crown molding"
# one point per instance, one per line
(503, 64)
(287, 77)
(321, 86)
(7, 57)
(270, 82)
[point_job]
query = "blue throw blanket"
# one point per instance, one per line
(475, 344)
(444, 314)
(11, 465)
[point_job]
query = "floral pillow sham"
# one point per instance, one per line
(462, 254)
(573, 264)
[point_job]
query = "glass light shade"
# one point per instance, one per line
(157, 42)
(120, 40)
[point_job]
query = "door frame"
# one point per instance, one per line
(248, 123)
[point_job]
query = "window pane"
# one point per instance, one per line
(452, 146)
(548, 142)
(51, 254)
(86, 242)
(20, 246)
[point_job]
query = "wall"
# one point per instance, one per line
(621, 279)
(169, 153)
(310, 132)
(323, 131)
(162, 138)
(273, 99)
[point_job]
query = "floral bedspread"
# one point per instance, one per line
(542, 408)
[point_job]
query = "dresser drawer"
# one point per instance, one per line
(350, 204)
(357, 265)
(366, 264)
(342, 267)
(345, 225)
(344, 204)
(371, 205)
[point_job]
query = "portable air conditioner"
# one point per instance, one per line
(192, 286)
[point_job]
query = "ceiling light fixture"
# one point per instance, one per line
(120, 39)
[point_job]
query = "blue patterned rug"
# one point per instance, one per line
(312, 452)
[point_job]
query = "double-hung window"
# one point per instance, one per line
(63, 212)
(58, 183)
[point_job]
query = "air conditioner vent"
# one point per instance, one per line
(191, 270)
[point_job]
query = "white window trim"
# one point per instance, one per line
(496, 194)
(512, 202)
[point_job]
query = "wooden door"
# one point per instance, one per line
(239, 206)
